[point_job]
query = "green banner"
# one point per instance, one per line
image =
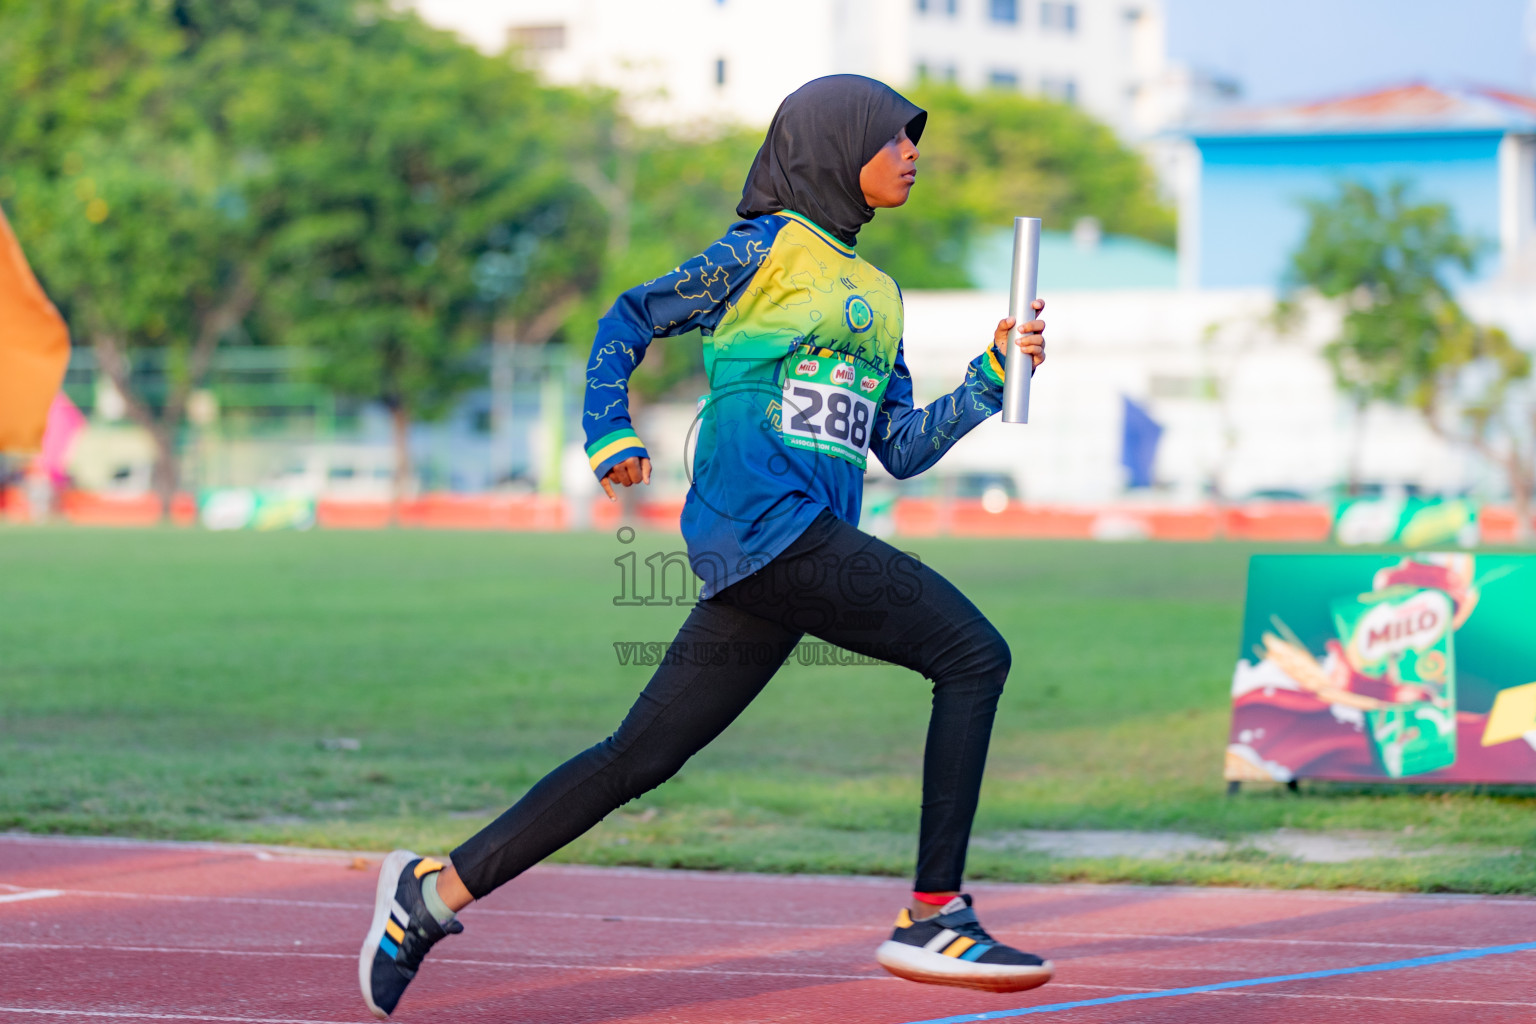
(244, 508)
(1379, 667)
(1411, 522)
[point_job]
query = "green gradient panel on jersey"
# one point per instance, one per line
(809, 291)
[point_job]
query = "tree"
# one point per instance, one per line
(424, 197)
(667, 194)
(1404, 339)
(327, 172)
(135, 220)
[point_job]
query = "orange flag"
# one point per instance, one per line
(34, 349)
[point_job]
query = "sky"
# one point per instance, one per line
(1282, 50)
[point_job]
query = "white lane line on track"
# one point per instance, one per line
(1158, 893)
(519, 965)
(1369, 999)
(1175, 937)
(130, 1015)
(466, 962)
(295, 854)
(270, 901)
(656, 919)
(278, 854)
(1249, 994)
(30, 894)
(1106, 964)
(141, 1015)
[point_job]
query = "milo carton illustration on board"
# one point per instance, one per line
(1401, 637)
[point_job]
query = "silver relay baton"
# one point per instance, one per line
(1020, 367)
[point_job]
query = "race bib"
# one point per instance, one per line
(829, 405)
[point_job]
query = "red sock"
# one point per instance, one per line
(932, 899)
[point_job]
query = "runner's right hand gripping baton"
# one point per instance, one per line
(1020, 366)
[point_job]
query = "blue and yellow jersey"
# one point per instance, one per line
(803, 348)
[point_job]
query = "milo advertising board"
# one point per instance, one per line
(1381, 667)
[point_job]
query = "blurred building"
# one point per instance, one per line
(689, 60)
(1240, 210)
(1246, 410)
(1249, 410)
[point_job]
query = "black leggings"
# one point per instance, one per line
(834, 582)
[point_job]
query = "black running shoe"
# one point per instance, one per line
(401, 933)
(953, 948)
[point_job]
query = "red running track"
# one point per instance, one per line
(94, 930)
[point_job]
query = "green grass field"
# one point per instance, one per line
(183, 684)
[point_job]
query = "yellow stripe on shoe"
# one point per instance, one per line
(427, 866)
(904, 919)
(959, 946)
(394, 931)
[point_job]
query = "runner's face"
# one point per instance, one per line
(887, 178)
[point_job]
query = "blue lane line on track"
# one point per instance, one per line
(1394, 965)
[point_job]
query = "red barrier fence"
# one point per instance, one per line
(1279, 522)
(914, 517)
(449, 512)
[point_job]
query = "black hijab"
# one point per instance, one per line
(823, 134)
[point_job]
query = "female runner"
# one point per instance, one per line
(803, 348)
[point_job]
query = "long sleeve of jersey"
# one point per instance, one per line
(692, 297)
(909, 440)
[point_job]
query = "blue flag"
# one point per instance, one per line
(1138, 448)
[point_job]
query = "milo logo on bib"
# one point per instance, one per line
(829, 404)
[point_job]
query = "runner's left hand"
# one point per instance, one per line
(1031, 337)
(628, 473)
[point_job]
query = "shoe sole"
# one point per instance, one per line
(384, 894)
(917, 964)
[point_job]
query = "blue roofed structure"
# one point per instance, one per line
(1241, 212)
